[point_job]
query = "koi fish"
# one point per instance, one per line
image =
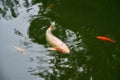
(19, 49)
(56, 43)
(105, 39)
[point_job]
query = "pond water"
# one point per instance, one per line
(78, 23)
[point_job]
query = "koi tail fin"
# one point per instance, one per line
(52, 26)
(53, 23)
(113, 41)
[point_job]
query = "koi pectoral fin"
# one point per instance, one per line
(54, 49)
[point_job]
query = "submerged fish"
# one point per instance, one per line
(56, 43)
(105, 39)
(50, 6)
(19, 49)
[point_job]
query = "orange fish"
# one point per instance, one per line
(105, 39)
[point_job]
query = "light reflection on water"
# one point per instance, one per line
(57, 65)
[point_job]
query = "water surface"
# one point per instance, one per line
(78, 22)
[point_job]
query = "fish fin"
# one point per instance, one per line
(52, 26)
(53, 23)
(51, 48)
(112, 41)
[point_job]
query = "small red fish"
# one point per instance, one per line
(105, 39)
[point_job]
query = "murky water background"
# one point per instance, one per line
(78, 22)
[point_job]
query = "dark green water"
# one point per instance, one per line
(78, 23)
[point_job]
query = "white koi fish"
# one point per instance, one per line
(56, 43)
(19, 49)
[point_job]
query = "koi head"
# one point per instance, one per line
(101, 37)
